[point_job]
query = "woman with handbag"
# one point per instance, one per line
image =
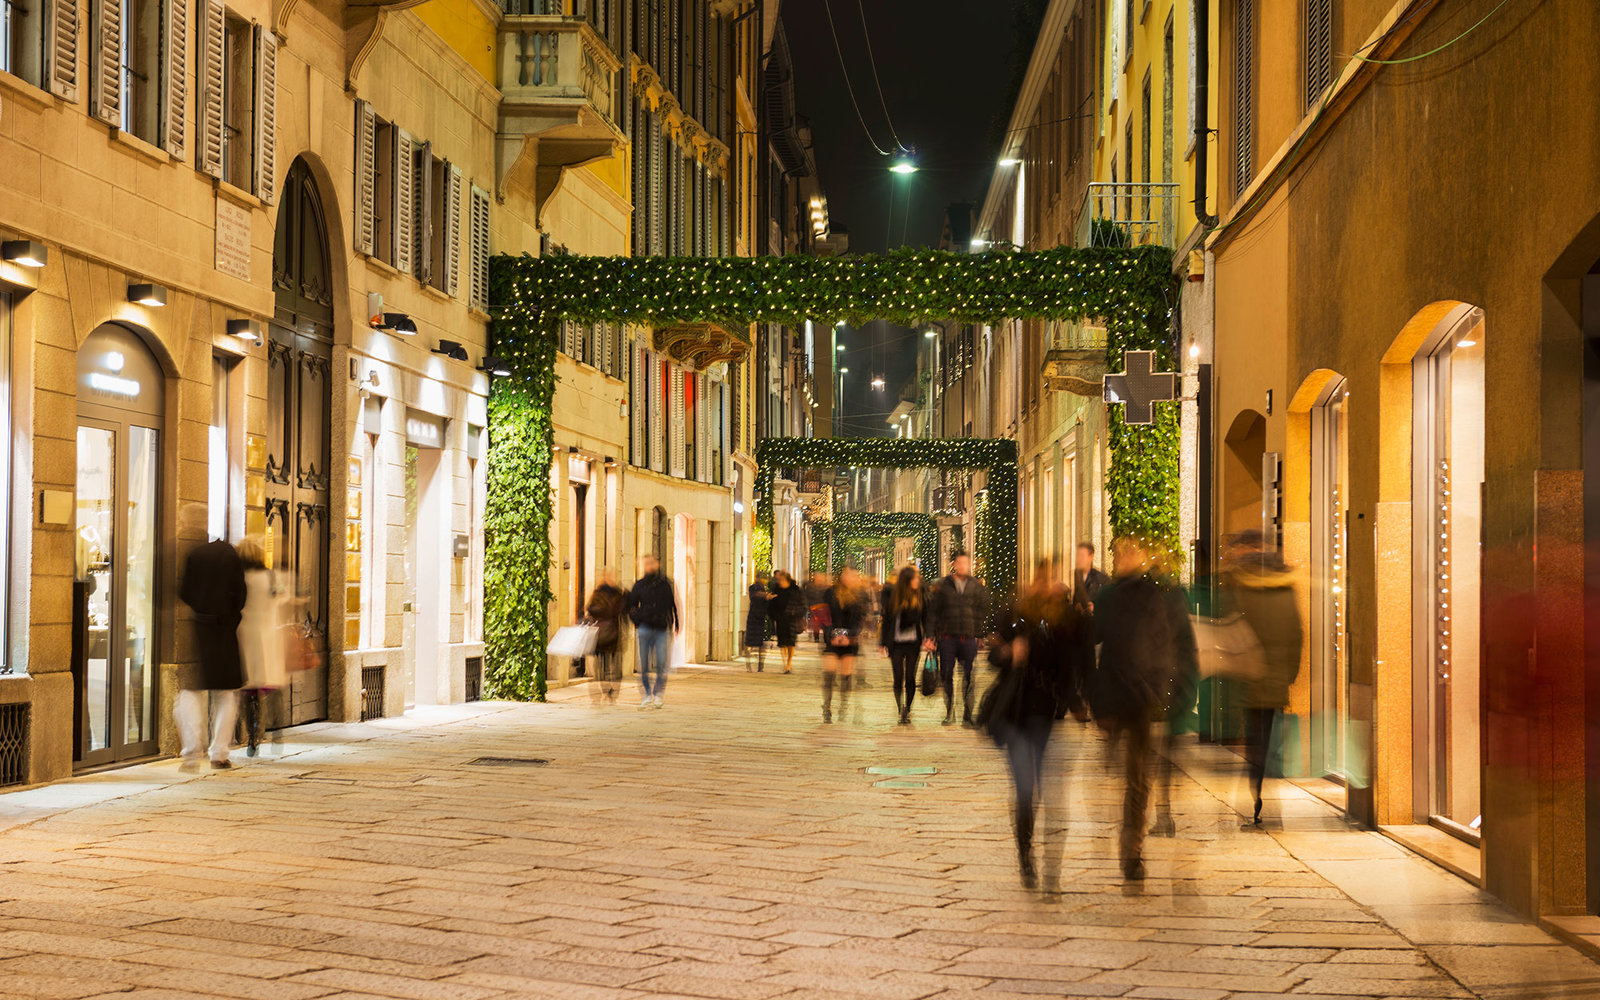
(847, 611)
(900, 636)
(262, 650)
(605, 607)
(786, 610)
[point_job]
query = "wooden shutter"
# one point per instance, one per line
(726, 430)
(61, 40)
(425, 199)
(208, 109)
(105, 91)
(404, 199)
(479, 293)
(640, 145)
(452, 228)
(636, 373)
(1243, 93)
(175, 63)
(266, 94)
(1318, 18)
(702, 429)
(676, 417)
(366, 178)
(654, 205)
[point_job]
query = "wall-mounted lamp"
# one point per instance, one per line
(495, 365)
(1009, 161)
(27, 253)
(451, 349)
(375, 310)
(147, 294)
(738, 506)
(245, 329)
(932, 333)
(610, 462)
(400, 324)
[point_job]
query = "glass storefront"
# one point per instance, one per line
(1330, 675)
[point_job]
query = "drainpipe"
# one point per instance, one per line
(1202, 91)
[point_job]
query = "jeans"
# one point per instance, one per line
(191, 717)
(951, 649)
(905, 658)
(1137, 741)
(1033, 780)
(655, 644)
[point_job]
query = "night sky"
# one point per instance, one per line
(944, 67)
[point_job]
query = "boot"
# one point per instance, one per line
(827, 696)
(252, 723)
(845, 684)
(1030, 877)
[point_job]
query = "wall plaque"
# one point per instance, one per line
(233, 239)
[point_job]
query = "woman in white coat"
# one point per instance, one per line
(261, 647)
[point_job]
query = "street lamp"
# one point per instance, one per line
(904, 165)
(877, 382)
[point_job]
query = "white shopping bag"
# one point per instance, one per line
(573, 640)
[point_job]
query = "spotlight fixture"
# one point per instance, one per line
(245, 329)
(495, 365)
(147, 294)
(451, 349)
(877, 382)
(400, 324)
(27, 253)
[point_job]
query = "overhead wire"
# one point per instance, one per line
(873, 62)
(850, 88)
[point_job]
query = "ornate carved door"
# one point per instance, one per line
(299, 431)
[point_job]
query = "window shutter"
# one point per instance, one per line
(425, 198)
(452, 229)
(1244, 93)
(654, 205)
(480, 249)
(266, 92)
(636, 373)
(728, 443)
(366, 177)
(105, 93)
(404, 195)
(656, 416)
(676, 416)
(1319, 49)
(61, 35)
(210, 78)
(702, 430)
(175, 59)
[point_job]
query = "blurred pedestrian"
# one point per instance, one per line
(262, 652)
(755, 622)
(817, 604)
(786, 608)
(1087, 579)
(958, 614)
(213, 587)
(1146, 645)
(900, 635)
(1260, 586)
(652, 605)
(846, 614)
(1039, 656)
(606, 607)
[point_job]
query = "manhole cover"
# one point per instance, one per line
(902, 771)
(507, 762)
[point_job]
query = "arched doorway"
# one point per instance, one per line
(299, 399)
(1246, 442)
(117, 546)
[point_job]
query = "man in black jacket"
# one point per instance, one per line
(213, 588)
(653, 609)
(1087, 579)
(958, 613)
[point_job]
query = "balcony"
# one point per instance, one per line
(1075, 361)
(701, 344)
(559, 94)
(1124, 215)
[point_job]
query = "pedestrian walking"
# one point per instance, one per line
(1260, 586)
(846, 613)
(652, 606)
(1039, 656)
(755, 622)
(817, 605)
(1147, 649)
(262, 653)
(786, 609)
(958, 614)
(606, 607)
(1087, 579)
(213, 587)
(900, 635)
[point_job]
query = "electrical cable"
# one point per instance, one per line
(1433, 51)
(827, 6)
(861, 5)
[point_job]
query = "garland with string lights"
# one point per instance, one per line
(850, 530)
(1126, 288)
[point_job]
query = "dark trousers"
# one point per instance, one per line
(903, 659)
(951, 649)
(1138, 744)
(1025, 753)
(1257, 742)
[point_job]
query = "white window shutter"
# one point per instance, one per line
(366, 177)
(105, 92)
(175, 60)
(636, 404)
(266, 93)
(213, 31)
(659, 415)
(452, 228)
(677, 416)
(404, 194)
(425, 197)
(480, 249)
(61, 37)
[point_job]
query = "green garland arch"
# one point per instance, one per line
(856, 526)
(1126, 288)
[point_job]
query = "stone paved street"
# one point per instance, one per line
(726, 846)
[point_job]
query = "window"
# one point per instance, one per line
(478, 293)
(1243, 94)
(1318, 38)
(442, 255)
(1147, 112)
(238, 108)
(22, 40)
(381, 203)
(1168, 85)
(141, 67)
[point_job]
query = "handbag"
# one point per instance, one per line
(574, 640)
(1229, 648)
(930, 675)
(1001, 705)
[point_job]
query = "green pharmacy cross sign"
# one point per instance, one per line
(1128, 290)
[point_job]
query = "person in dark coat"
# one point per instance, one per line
(653, 607)
(213, 586)
(958, 616)
(786, 609)
(847, 613)
(755, 622)
(1087, 580)
(1258, 585)
(606, 607)
(900, 635)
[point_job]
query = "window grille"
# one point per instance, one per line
(14, 744)
(474, 678)
(1318, 19)
(1244, 93)
(371, 693)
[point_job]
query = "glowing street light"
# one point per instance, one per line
(1009, 161)
(904, 165)
(877, 381)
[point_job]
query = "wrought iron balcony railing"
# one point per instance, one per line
(1126, 214)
